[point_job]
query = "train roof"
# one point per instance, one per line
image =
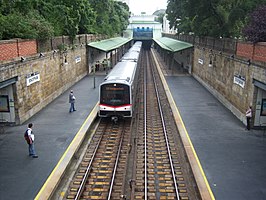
(131, 55)
(138, 44)
(134, 48)
(123, 72)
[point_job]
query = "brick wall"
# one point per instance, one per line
(255, 52)
(260, 52)
(14, 48)
(27, 47)
(247, 50)
(8, 49)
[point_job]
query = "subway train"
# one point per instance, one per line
(118, 90)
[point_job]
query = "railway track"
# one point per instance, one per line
(141, 158)
(161, 171)
(101, 172)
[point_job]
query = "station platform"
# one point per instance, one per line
(21, 176)
(231, 157)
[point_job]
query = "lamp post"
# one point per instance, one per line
(93, 76)
(92, 60)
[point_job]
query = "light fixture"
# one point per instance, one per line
(210, 63)
(249, 62)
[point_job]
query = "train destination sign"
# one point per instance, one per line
(115, 88)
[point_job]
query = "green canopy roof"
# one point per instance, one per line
(109, 44)
(171, 44)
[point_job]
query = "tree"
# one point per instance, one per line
(255, 31)
(41, 19)
(216, 18)
(111, 17)
(31, 26)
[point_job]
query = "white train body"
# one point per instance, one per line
(117, 92)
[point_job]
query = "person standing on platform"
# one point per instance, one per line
(248, 116)
(29, 136)
(72, 100)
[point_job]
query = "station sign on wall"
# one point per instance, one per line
(32, 78)
(200, 61)
(78, 59)
(239, 80)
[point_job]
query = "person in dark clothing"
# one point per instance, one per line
(248, 116)
(72, 100)
(31, 141)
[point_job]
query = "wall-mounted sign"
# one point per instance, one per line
(200, 61)
(32, 78)
(239, 80)
(78, 59)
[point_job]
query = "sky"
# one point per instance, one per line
(148, 6)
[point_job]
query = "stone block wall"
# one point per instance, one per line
(58, 70)
(56, 76)
(216, 71)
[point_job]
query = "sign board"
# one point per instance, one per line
(33, 78)
(200, 61)
(78, 59)
(239, 80)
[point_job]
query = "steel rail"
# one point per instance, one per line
(145, 135)
(84, 179)
(116, 163)
(165, 135)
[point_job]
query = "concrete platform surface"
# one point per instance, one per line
(21, 176)
(233, 159)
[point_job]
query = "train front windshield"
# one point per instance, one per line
(115, 94)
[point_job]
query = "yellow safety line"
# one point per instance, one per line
(194, 152)
(52, 173)
(189, 140)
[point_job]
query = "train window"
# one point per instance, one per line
(115, 94)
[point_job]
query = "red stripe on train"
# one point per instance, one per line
(115, 106)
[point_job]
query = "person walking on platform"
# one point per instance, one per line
(72, 100)
(29, 136)
(248, 116)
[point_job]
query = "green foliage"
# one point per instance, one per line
(255, 30)
(43, 19)
(216, 18)
(29, 26)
